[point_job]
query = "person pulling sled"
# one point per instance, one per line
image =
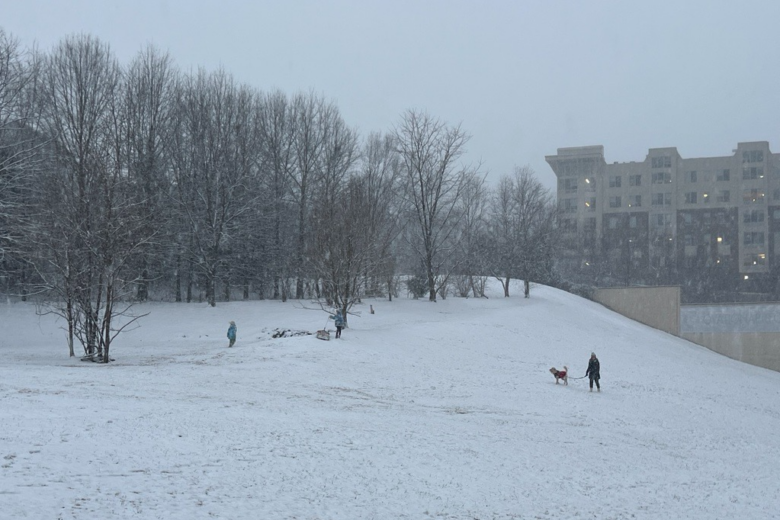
(338, 320)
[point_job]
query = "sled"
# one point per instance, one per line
(323, 334)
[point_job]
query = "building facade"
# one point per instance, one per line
(710, 224)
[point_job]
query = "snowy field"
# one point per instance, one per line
(422, 411)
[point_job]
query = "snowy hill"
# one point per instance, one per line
(423, 410)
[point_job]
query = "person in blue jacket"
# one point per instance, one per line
(338, 319)
(231, 334)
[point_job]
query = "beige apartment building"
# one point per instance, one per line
(710, 224)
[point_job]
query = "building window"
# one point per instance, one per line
(570, 185)
(569, 205)
(661, 220)
(590, 204)
(662, 178)
(723, 196)
(635, 201)
(614, 181)
(753, 197)
(691, 176)
(753, 238)
(661, 162)
(687, 218)
(755, 259)
(632, 222)
(754, 172)
(752, 216)
(614, 202)
(661, 199)
(776, 194)
(724, 175)
(690, 197)
(590, 184)
(569, 224)
(612, 222)
(753, 156)
(635, 180)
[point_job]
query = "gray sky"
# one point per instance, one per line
(522, 77)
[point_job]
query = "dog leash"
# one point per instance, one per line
(575, 378)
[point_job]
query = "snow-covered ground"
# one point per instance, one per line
(423, 410)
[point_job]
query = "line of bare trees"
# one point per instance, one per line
(124, 183)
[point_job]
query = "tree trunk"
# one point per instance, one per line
(70, 318)
(177, 280)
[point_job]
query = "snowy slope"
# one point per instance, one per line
(423, 410)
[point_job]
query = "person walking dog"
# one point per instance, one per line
(593, 371)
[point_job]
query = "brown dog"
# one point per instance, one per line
(560, 374)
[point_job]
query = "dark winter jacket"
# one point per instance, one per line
(232, 331)
(593, 368)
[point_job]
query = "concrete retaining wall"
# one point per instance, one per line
(757, 348)
(658, 307)
(748, 332)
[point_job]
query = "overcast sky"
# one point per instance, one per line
(522, 77)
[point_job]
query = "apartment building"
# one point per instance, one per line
(709, 224)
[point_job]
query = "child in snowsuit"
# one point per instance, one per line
(338, 319)
(593, 371)
(231, 334)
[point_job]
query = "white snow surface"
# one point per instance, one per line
(422, 410)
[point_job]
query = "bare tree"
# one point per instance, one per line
(435, 182)
(149, 89)
(313, 118)
(89, 225)
(19, 142)
(276, 159)
(522, 230)
(381, 173)
(342, 246)
(213, 160)
(356, 224)
(473, 207)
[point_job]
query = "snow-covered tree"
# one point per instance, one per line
(213, 156)
(435, 181)
(522, 230)
(88, 227)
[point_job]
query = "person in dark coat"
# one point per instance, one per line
(231, 334)
(593, 371)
